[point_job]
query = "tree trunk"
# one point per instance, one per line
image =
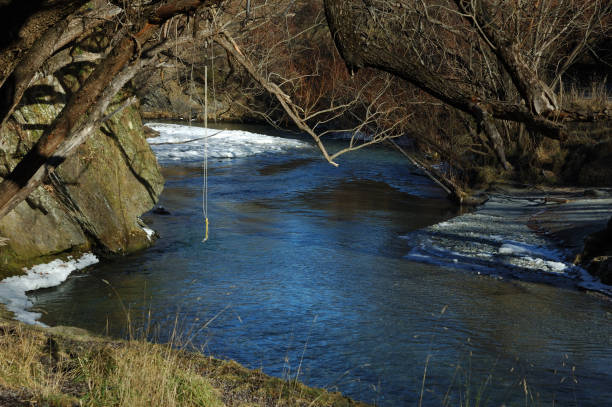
(367, 40)
(44, 156)
(536, 94)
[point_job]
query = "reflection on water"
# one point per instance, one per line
(305, 267)
(272, 169)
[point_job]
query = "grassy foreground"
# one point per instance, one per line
(70, 367)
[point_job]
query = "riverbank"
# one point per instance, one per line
(342, 281)
(65, 366)
(580, 222)
(544, 235)
(575, 219)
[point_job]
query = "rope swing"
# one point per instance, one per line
(205, 164)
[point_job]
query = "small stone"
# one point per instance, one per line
(160, 210)
(149, 132)
(595, 193)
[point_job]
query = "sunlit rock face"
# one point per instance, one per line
(94, 198)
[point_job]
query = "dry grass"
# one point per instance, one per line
(593, 98)
(141, 374)
(70, 367)
(95, 373)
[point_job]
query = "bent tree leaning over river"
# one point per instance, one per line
(495, 65)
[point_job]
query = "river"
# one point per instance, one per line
(311, 272)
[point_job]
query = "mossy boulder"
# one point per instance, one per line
(93, 200)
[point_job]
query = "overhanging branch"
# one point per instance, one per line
(81, 116)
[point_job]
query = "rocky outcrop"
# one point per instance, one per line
(597, 255)
(93, 200)
(178, 92)
(163, 98)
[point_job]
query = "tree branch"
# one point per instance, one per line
(81, 115)
(232, 48)
(47, 44)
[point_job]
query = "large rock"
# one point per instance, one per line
(92, 201)
(597, 255)
(165, 94)
(602, 267)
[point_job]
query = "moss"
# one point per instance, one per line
(97, 195)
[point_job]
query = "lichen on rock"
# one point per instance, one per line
(93, 199)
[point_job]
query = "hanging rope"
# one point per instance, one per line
(205, 164)
(212, 66)
(206, 137)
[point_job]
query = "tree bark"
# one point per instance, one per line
(46, 45)
(536, 94)
(45, 156)
(24, 22)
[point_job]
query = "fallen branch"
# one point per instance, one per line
(188, 141)
(451, 189)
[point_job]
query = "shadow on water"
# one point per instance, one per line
(273, 169)
(349, 198)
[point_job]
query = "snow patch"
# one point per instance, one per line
(509, 249)
(149, 232)
(13, 289)
(186, 143)
(474, 242)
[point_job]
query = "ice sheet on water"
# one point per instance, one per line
(186, 143)
(13, 289)
(496, 240)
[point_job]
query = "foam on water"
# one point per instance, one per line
(184, 143)
(13, 289)
(474, 242)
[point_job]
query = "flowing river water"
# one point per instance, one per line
(316, 272)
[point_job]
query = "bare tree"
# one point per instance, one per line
(492, 60)
(292, 57)
(286, 50)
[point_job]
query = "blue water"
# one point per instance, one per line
(304, 275)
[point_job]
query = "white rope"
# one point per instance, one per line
(205, 164)
(191, 88)
(212, 66)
